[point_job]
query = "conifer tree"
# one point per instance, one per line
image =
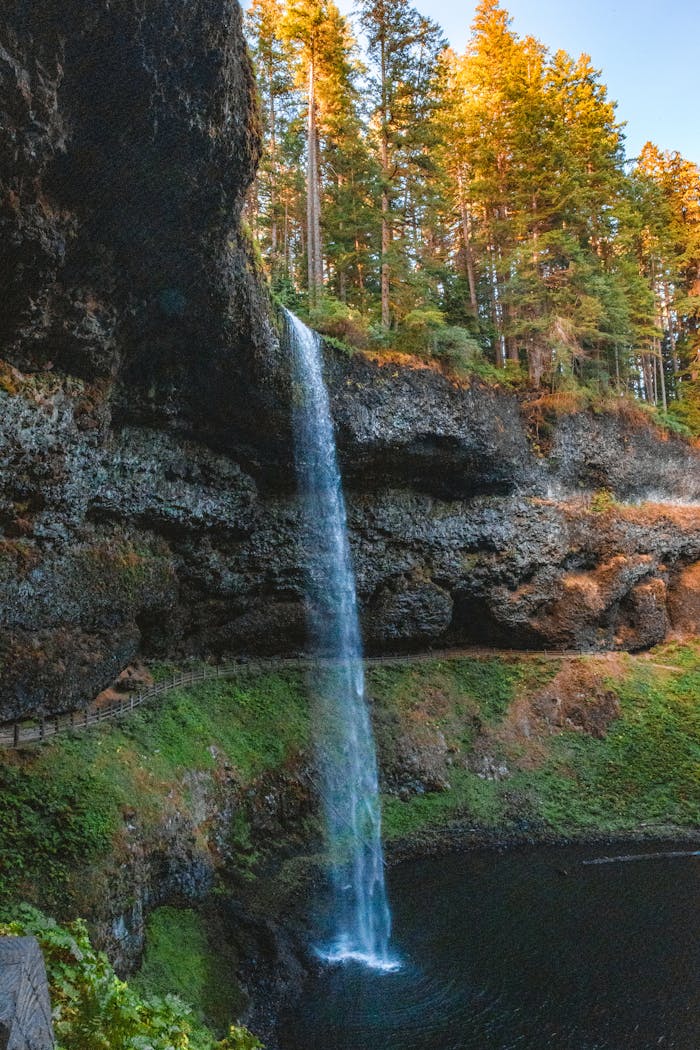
(669, 253)
(304, 28)
(486, 191)
(536, 167)
(323, 45)
(404, 48)
(278, 104)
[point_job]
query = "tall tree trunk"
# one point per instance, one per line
(499, 345)
(386, 245)
(287, 261)
(313, 197)
(511, 341)
(507, 321)
(273, 168)
(508, 349)
(386, 204)
(649, 372)
(670, 328)
(360, 276)
(662, 377)
(467, 241)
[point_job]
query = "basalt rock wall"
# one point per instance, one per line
(128, 139)
(146, 479)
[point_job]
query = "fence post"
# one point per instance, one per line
(15, 735)
(42, 728)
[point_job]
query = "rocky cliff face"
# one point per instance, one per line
(145, 493)
(128, 139)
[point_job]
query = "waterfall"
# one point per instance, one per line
(346, 758)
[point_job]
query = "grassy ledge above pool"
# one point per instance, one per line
(460, 739)
(542, 747)
(69, 804)
(610, 746)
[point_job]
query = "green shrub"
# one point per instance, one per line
(602, 501)
(684, 415)
(94, 1010)
(337, 320)
(50, 822)
(683, 418)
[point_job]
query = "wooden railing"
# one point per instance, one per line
(33, 731)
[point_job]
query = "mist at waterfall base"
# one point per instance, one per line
(526, 949)
(358, 925)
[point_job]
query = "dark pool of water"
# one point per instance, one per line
(504, 950)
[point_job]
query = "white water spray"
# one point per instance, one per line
(345, 745)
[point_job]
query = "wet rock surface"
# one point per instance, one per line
(146, 481)
(197, 844)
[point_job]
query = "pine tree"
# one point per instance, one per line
(485, 191)
(535, 164)
(669, 253)
(404, 48)
(326, 70)
(348, 175)
(280, 102)
(303, 27)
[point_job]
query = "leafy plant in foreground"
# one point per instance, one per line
(94, 1010)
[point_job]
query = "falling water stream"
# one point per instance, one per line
(347, 764)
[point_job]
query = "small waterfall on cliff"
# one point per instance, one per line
(345, 746)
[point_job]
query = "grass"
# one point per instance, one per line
(54, 817)
(647, 768)
(255, 723)
(645, 771)
(469, 797)
(458, 697)
(181, 960)
(62, 806)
